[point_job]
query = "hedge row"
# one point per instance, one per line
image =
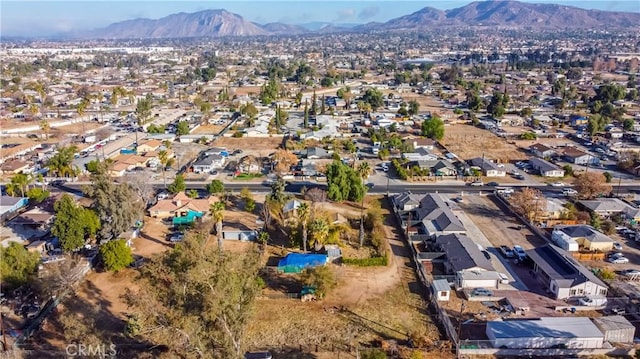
(366, 262)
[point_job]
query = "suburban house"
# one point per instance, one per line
(290, 209)
(9, 205)
(488, 168)
(249, 164)
(406, 201)
(541, 151)
(606, 207)
(546, 332)
(426, 143)
(574, 155)
(315, 153)
(435, 167)
(464, 259)
(14, 166)
(563, 276)
(149, 146)
(220, 151)
(436, 218)
(180, 206)
(208, 163)
(420, 154)
(546, 168)
(585, 236)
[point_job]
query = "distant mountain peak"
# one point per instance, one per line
(506, 13)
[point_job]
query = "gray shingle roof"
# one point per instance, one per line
(462, 252)
(561, 266)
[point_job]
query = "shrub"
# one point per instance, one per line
(367, 262)
(238, 134)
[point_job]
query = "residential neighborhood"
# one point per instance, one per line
(462, 193)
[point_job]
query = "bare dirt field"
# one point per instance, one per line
(246, 90)
(468, 142)
(267, 144)
(208, 130)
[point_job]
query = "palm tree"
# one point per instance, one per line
(320, 230)
(303, 217)
(45, 127)
(217, 213)
(62, 162)
(21, 182)
(165, 160)
(364, 169)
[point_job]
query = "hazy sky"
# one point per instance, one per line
(34, 18)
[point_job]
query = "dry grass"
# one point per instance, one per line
(468, 142)
(289, 322)
(207, 130)
(267, 144)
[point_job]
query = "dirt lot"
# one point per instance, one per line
(497, 225)
(266, 144)
(468, 142)
(208, 130)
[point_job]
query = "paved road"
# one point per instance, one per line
(295, 187)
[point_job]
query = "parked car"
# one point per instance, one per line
(176, 237)
(619, 260)
(476, 184)
(593, 301)
(507, 252)
(569, 192)
(630, 272)
(617, 246)
(617, 311)
(481, 292)
(518, 176)
(557, 184)
(493, 184)
(519, 252)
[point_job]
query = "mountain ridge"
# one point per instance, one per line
(503, 13)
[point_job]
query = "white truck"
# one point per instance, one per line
(593, 301)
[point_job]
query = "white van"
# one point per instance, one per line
(503, 278)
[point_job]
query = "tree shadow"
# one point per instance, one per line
(92, 324)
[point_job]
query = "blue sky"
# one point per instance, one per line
(34, 18)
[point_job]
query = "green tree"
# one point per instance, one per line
(373, 354)
(117, 205)
(194, 300)
(344, 183)
(433, 128)
(321, 278)
(215, 187)
(73, 223)
(628, 124)
(249, 110)
(607, 176)
(178, 184)
(18, 265)
(61, 164)
(143, 109)
(115, 255)
(182, 128)
(277, 191)
(374, 98)
(193, 193)
(165, 161)
(414, 107)
(305, 121)
(19, 185)
(37, 194)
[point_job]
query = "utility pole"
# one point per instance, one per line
(462, 307)
(619, 184)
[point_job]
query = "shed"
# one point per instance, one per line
(188, 219)
(332, 251)
(616, 328)
(37, 246)
(297, 262)
(545, 332)
(441, 289)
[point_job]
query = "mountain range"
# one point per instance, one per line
(512, 14)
